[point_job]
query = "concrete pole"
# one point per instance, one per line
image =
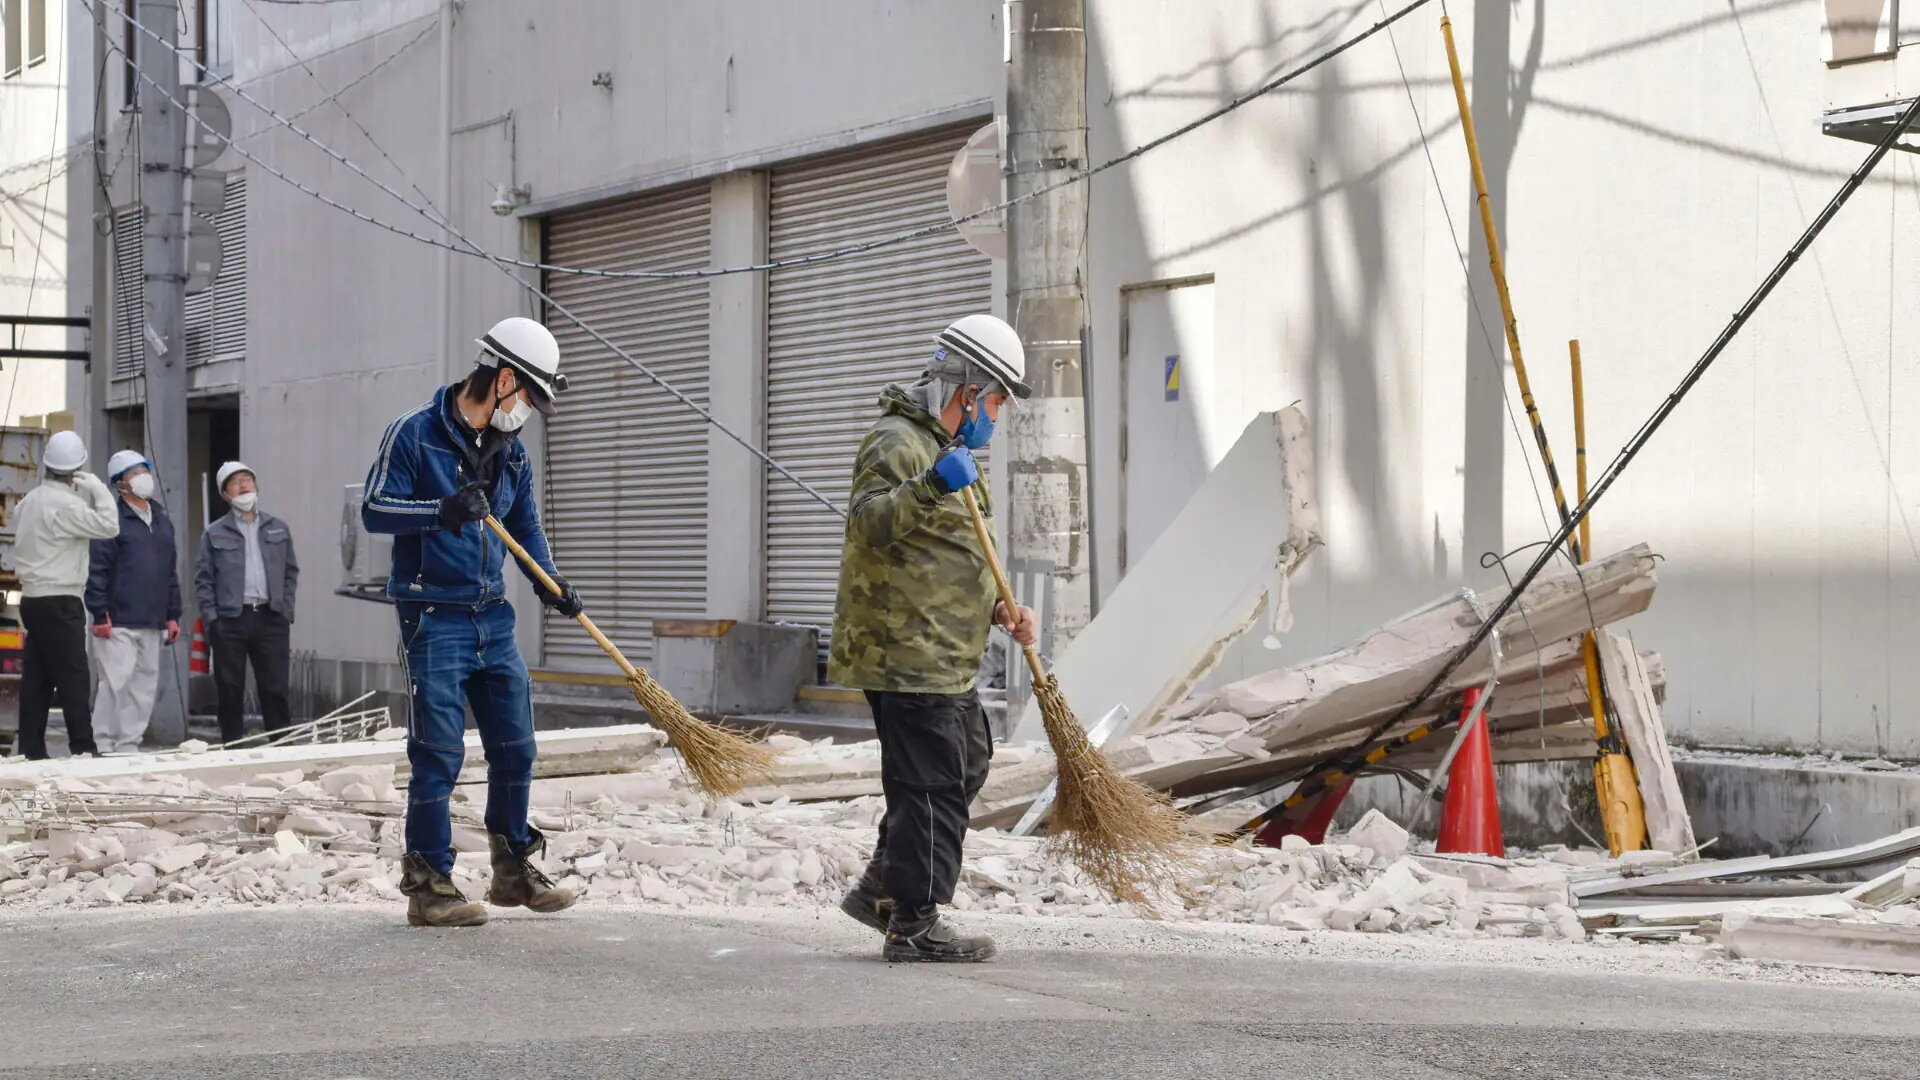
(1049, 545)
(98, 427)
(163, 135)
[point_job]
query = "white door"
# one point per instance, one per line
(1169, 385)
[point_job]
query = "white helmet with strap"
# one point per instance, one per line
(978, 345)
(529, 349)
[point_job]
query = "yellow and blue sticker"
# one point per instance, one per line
(1173, 378)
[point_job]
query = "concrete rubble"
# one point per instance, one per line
(645, 837)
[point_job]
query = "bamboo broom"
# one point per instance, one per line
(1125, 835)
(721, 761)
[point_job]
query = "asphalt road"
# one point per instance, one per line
(331, 994)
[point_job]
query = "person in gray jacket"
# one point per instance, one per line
(244, 582)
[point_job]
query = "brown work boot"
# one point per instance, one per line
(925, 937)
(432, 897)
(519, 883)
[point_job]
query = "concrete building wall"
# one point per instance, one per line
(343, 329)
(1649, 164)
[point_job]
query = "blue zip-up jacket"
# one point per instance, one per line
(427, 455)
(131, 578)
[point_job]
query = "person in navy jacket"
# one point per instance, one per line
(442, 470)
(133, 594)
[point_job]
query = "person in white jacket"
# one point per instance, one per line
(54, 527)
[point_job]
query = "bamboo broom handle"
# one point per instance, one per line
(554, 588)
(1000, 578)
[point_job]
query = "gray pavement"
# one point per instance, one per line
(334, 993)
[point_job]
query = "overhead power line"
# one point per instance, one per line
(467, 246)
(1346, 761)
(876, 244)
(500, 264)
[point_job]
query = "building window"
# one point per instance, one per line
(36, 31)
(11, 30)
(213, 45)
(130, 47)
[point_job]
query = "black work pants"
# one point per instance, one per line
(262, 637)
(55, 660)
(934, 750)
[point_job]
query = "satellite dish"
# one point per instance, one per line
(203, 145)
(974, 183)
(204, 255)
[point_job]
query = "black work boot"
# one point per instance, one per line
(519, 883)
(929, 938)
(432, 897)
(868, 906)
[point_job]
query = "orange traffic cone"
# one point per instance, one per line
(197, 651)
(1470, 821)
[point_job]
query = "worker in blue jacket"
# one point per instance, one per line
(442, 470)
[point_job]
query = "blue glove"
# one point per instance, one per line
(955, 470)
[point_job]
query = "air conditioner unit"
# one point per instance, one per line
(366, 558)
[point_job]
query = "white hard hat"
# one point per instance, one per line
(124, 460)
(65, 453)
(987, 345)
(528, 348)
(226, 471)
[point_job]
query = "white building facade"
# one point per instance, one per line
(1647, 166)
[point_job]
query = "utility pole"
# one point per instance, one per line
(163, 236)
(1048, 535)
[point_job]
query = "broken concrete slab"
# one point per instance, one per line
(1830, 943)
(1900, 845)
(1669, 828)
(1200, 584)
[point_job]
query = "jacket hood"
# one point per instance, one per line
(895, 401)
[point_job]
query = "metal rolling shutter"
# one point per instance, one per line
(839, 331)
(626, 501)
(216, 320)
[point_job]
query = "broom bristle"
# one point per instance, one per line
(1125, 835)
(722, 762)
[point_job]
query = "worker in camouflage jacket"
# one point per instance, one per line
(910, 627)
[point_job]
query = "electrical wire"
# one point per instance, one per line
(503, 266)
(334, 97)
(470, 247)
(466, 248)
(1494, 352)
(1638, 442)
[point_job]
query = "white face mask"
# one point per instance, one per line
(515, 420)
(141, 486)
(245, 501)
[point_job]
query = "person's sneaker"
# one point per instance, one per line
(867, 907)
(432, 897)
(519, 883)
(933, 940)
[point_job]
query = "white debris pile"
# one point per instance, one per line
(282, 839)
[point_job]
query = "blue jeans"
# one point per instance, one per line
(459, 656)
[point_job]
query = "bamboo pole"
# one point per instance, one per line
(1615, 782)
(1498, 266)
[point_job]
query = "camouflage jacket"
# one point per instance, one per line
(916, 596)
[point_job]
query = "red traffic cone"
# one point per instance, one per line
(1470, 821)
(197, 650)
(1310, 819)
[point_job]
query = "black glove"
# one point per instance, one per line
(467, 504)
(567, 602)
